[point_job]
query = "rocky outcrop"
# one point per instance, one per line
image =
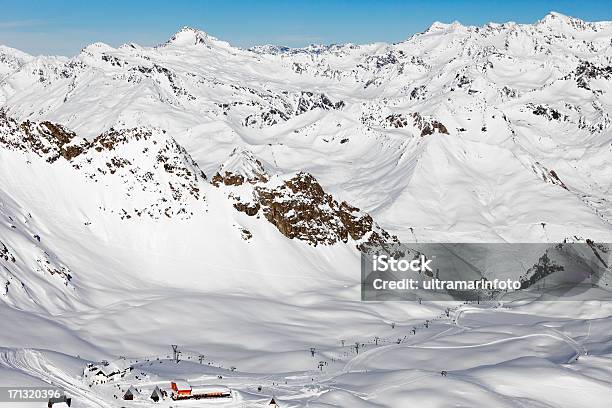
(46, 139)
(300, 209)
(247, 208)
(427, 125)
(53, 140)
(5, 253)
(228, 178)
(288, 105)
(424, 124)
(396, 120)
(151, 165)
(586, 71)
(549, 176)
(241, 166)
(53, 267)
(158, 176)
(547, 112)
(310, 100)
(297, 206)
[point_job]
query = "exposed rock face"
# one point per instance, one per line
(544, 267)
(46, 264)
(549, 176)
(152, 166)
(548, 112)
(288, 105)
(298, 206)
(241, 166)
(396, 120)
(309, 101)
(586, 71)
(158, 176)
(425, 125)
(8, 127)
(46, 139)
(266, 118)
(428, 126)
(53, 140)
(300, 209)
(246, 234)
(5, 253)
(247, 208)
(556, 179)
(228, 178)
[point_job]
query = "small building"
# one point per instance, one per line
(59, 402)
(104, 372)
(211, 391)
(273, 403)
(180, 389)
(131, 394)
(100, 377)
(157, 394)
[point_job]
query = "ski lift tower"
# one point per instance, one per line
(175, 352)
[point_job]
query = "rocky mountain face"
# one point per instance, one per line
(297, 205)
(145, 165)
(48, 140)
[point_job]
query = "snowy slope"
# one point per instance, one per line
(199, 194)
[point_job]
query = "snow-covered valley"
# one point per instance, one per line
(217, 198)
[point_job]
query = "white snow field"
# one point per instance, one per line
(217, 198)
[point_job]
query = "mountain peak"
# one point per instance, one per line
(95, 48)
(439, 26)
(558, 20)
(555, 16)
(5, 50)
(189, 36)
(241, 165)
(12, 60)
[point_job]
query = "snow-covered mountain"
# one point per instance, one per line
(486, 115)
(143, 188)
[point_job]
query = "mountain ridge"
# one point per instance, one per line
(323, 111)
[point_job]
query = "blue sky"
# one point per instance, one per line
(64, 27)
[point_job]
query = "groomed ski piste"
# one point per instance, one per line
(487, 359)
(215, 198)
